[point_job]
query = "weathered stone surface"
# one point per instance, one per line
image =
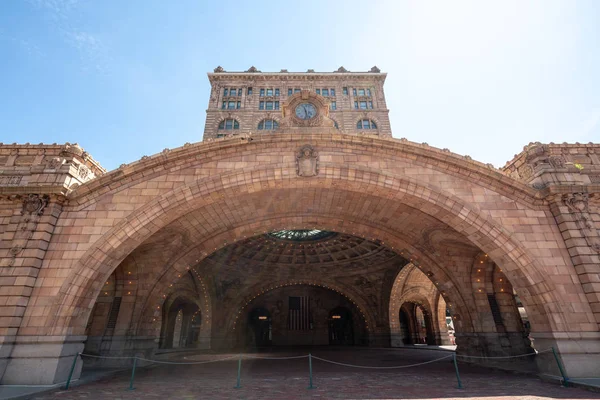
(188, 230)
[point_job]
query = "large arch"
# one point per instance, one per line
(360, 182)
(492, 238)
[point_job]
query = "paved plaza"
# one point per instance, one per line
(289, 379)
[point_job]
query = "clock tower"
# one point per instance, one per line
(253, 102)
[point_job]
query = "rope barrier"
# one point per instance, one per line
(240, 357)
(273, 358)
(505, 357)
(159, 361)
(109, 357)
(372, 367)
(185, 363)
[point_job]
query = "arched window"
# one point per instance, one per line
(366, 124)
(229, 124)
(268, 125)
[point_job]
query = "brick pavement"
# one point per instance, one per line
(288, 379)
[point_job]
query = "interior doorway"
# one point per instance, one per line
(341, 330)
(260, 329)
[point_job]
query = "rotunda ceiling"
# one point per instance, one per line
(303, 247)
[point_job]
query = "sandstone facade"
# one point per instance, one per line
(177, 249)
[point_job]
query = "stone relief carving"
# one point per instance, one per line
(578, 205)
(363, 283)
(34, 204)
(219, 69)
(556, 161)
(252, 69)
(83, 172)
(55, 162)
(526, 171)
(375, 69)
(227, 286)
(32, 208)
(307, 161)
(341, 69)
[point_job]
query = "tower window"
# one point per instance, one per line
(268, 105)
(345, 91)
(318, 91)
(262, 92)
(290, 91)
(268, 124)
(356, 105)
(366, 124)
(354, 91)
(333, 105)
(269, 92)
(296, 90)
(229, 124)
(249, 91)
(361, 92)
(276, 92)
(363, 105)
(231, 105)
(225, 91)
(332, 92)
(239, 92)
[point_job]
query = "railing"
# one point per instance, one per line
(241, 357)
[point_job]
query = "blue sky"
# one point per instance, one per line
(128, 78)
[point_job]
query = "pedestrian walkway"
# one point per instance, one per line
(281, 378)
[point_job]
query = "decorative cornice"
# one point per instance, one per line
(295, 76)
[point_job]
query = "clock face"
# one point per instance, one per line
(305, 111)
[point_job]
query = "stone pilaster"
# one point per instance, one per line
(24, 243)
(582, 238)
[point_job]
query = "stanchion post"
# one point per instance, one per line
(460, 386)
(239, 374)
(71, 372)
(132, 374)
(560, 368)
(310, 381)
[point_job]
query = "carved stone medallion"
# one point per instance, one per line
(34, 204)
(307, 161)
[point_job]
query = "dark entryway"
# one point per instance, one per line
(341, 331)
(259, 327)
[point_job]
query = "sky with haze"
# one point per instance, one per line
(128, 78)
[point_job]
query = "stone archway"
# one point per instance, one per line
(489, 237)
(226, 201)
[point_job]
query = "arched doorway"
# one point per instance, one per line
(341, 331)
(181, 319)
(260, 327)
(416, 324)
(405, 327)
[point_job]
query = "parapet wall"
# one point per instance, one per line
(53, 168)
(542, 165)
